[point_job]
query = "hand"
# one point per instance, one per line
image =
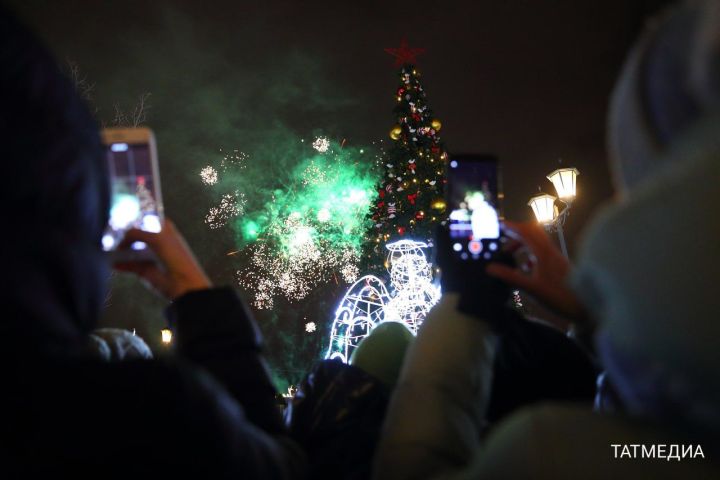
(176, 273)
(548, 275)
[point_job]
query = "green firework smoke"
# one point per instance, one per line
(301, 222)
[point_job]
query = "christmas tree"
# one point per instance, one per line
(410, 202)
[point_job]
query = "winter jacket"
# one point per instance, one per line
(64, 412)
(208, 414)
(336, 416)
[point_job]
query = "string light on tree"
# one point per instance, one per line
(414, 172)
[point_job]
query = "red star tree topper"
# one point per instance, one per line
(404, 54)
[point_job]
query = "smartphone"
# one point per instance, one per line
(136, 201)
(474, 196)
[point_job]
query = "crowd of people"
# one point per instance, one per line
(627, 385)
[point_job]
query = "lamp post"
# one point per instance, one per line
(546, 210)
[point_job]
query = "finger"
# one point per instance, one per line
(147, 271)
(531, 234)
(135, 235)
(511, 276)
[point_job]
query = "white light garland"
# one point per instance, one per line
(412, 280)
(360, 310)
(368, 302)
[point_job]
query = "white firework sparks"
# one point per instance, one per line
(209, 175)
(321, 144)
(295, 274)
(235, 159)
(289, 257)
(231, 205)
(314, 175)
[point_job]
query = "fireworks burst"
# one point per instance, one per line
(231, 205)
(209, 175)
(321, 144)
(234, 160)
(306, 233)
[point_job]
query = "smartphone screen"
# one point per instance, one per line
(135, 190)
(474, 200)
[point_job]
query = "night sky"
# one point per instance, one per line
(526, 80)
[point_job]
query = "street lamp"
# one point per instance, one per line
(564, 180)
(543, 205)
(166, 336)
(545, 209)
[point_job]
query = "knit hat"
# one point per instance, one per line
(382, 352)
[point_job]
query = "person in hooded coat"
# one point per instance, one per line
(63, 411)
(643, 288)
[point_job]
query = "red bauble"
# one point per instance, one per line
(401, 230)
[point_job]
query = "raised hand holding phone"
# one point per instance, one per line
(136, 200)
(176, 270)
(547, 277)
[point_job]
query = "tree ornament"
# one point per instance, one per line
(438, 204)
(436, 124)
(404, 54)
(396, 132)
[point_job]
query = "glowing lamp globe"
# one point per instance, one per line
(166, 336)
(543, 207)
(564, 180)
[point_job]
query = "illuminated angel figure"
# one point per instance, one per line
(362, 307)
(412, 280)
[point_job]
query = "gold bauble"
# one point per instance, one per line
(396, 132)
(436, 125)
(438, 205)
